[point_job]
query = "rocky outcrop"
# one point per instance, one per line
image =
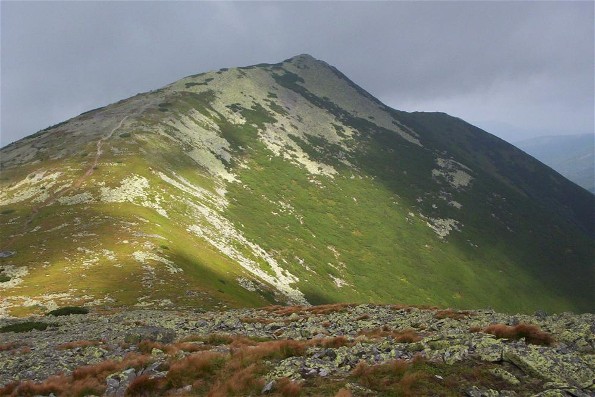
(336, 339)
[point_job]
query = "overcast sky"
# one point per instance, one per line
(516, 69)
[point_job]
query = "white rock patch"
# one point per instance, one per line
(442, 227)
(16, 274)
(133, 189)
(35, 186)
(143, 257)
(455, 173)
(339, 282)
(221, 233)
(246, 284)
(80, 198)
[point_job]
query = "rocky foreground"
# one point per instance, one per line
(333, 350)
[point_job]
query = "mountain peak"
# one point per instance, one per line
(284, 183)
(303, 58)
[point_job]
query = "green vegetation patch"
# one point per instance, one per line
(68, 310)
(25, 327)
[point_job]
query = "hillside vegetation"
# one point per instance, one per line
(284, 183)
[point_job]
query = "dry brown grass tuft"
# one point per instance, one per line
(398, 377)
(288, 388)
(363, 317)
(79, 343)
(278, 349)
(55, 384)
(241, 382)
(96, 371)
(189, 347)
(338, 341)
(328, 309)
(145, 386)
(405, 336)
(193, 367)
(532, 333)
(85, 380)
(344, 393)
(284, 310)
(86, 387)
(406, 308)
(454, 314)
(8, 346)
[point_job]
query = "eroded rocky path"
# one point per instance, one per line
(75, 184)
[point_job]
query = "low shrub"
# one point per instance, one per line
(25, 327)
(68, 310)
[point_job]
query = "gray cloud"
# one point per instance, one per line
(513, 68)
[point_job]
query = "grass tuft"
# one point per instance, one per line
(531, 333)
(197, 366)
(145, 386)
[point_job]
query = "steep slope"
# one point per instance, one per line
(571, 155)
(285, 183)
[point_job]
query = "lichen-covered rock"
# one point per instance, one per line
(119, 382)
(482, 392)
(150, 333)
(546, 363)
(505, 375)
(566, 369)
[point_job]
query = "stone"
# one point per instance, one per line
(268, 387)
(551, 393)
(545, 363)
(150, 333)
(505, 375)
(475, 391)
(330, 354)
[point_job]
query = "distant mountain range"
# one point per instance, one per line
(571, 155)
(284, 183)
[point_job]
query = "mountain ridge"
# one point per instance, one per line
(285, 183)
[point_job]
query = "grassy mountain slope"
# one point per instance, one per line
(284, 183)
(571, 155)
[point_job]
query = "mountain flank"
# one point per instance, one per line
(284, 184)
(571, 155)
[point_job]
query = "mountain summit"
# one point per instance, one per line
(284, 183)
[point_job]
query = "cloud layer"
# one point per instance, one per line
(516, 69)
